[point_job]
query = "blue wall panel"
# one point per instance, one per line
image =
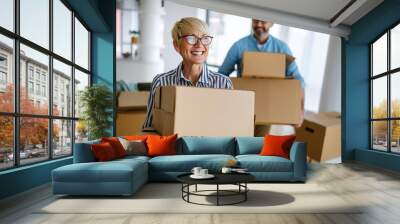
(355, 76)
(24, 178)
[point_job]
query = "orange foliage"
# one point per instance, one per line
(33, 130)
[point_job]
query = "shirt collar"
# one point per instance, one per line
(253, 38)
(203, 77)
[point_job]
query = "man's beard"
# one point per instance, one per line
(260, 32)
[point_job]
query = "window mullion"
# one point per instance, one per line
(50, 81)
(16, 84)
(73, 82)
(389, 101)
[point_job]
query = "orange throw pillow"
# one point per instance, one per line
(103, 152)
(277, 145)
(135, 137)
(161, 145)
(116, 145)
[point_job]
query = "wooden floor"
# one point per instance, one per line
(378, 188)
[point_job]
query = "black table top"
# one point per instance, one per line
(220, 178)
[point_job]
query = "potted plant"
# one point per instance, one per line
(96, 104)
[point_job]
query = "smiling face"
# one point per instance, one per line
(261, 28)
(194, 54)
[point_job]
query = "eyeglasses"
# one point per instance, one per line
(192, 39)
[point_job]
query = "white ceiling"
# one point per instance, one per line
(315, 15)
(320, 9)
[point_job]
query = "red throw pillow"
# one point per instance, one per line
(103, 152)
(277, 145)
(116, 145)
(135, 137)
(161, 145)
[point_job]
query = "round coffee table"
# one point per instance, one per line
(238, 179)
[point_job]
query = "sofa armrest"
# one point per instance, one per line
(83, 152)
(298, 155)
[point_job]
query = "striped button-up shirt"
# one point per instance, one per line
(208, 79)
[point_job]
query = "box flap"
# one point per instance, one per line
(333, 114)
(289, 59)
(133, 100)
(321, 119)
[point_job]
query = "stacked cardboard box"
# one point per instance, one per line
(322, 133)
(132, 108)
(278, 99)
(191, 111)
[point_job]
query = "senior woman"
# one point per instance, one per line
(191, 40)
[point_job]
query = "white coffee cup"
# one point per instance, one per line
(196, 170)
(226, 170)
(203, 172)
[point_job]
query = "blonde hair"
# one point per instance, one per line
(188, 25)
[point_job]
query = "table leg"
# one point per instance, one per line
(217, 194)
(196, 188)
(245, 191)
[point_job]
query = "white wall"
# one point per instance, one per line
(131, 70)
(173, 13)
(331, 89)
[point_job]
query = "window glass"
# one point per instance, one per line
(6, 142)
(62, 91)
(379, 135)
(62, 29)
(6, 74)
(62, 137)
(395, 138)
(81, 131)
(39, 62)
(33, 140)
(395, 95)
(7, 14)
(81, 81)
(34, 21)
(395, 47)
(379, 97)
(379, 56)
(81, 45)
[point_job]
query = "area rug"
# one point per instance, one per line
(166, 198)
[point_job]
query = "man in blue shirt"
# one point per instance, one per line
(261, 41)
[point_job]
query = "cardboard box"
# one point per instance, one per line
(265, 65)
(133, 100)
(130, 122)
(192, 111)
(278, 101)
(322, 133)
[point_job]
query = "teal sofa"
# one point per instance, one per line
(125, 176)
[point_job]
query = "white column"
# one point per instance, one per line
(151, 37)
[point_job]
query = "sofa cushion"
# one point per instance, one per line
(257, 163)
(103, 152)
(206, 145)
(111, 171)
(249, 145)
(161, 145)
(116, 145)
(185, 163)
(277, 145)
(83, 152)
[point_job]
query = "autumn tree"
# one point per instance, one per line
(33, 131)
(380, 127)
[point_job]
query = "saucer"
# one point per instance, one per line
(208, 176)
